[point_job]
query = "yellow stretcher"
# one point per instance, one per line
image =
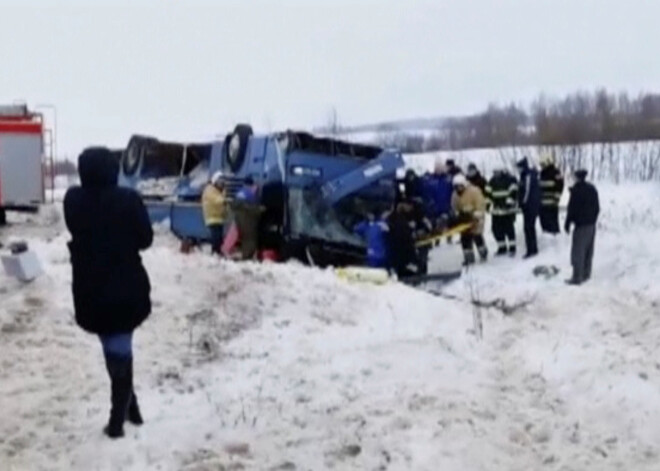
(450, 231)
(377, 276)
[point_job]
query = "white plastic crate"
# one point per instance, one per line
(24, 266)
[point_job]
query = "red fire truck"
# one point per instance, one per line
(21, 159)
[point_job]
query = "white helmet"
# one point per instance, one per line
(217, 178)
(459, 180)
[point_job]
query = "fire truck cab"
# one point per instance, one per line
(21, 160)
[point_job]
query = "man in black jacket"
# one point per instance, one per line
(452, 168)
(475, 177)
(403, 257)
(529, 197)
(583, 209)
(109, 226)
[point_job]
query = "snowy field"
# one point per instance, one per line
(614, 162)
(281, 367)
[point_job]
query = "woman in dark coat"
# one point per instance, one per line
(109, 226)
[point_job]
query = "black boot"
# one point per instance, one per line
(120, 370)
(574, 282)
(501, 251)
(134, 415)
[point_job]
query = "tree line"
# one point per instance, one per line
(578, 118)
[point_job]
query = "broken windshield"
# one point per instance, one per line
(310, 216)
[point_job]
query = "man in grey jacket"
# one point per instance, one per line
(583, 210)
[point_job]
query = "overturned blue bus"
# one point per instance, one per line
(314, 189)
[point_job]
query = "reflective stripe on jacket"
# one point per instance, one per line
(552, 186)
(502, 192)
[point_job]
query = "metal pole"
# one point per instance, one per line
(53, 108)
(53, 145)
(51, 163)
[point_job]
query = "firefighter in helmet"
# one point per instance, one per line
(502, 195)
(552, 186)
(469, 205)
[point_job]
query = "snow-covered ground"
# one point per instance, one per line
(282, 367)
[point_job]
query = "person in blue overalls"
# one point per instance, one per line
(374, 232)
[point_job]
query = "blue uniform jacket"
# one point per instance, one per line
(374, 232)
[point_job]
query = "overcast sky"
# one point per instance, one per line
(191, 69)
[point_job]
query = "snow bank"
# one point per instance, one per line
(282, 367)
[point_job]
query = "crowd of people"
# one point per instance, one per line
(435, 202)
(226, 218)
(429, 205)
(110, 226)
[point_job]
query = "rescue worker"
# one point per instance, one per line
(583, 210)
(214, 208)
(474, 176)
(552, 186)
(428, 186)
(412, 187)
(437, 191)
(469, 205)
(452, 168)
(109, 228)
(502, 195)
(402, 254)
(529, 198)
(271, 222)
(442, 194)
(247, 214)
(374, 232)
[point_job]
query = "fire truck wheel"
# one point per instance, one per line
(3, 217)
(237, 146)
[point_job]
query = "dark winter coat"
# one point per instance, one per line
(413, 187)
(529, 194)
(477, 180)
(583, 205)
(552, 186)
(401, 250)
(454, 170)
(271, 221)
(109, 226)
